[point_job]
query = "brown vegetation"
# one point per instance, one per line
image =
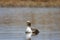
(29, 3)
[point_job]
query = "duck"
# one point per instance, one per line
(31, 31)
(28, 31)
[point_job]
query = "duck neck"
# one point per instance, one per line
(29, 26)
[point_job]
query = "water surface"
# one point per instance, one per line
(17, 32)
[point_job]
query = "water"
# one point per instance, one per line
(17, 32)
(12, 32)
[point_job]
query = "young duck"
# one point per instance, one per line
(30, 31)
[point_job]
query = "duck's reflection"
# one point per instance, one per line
(30, 31)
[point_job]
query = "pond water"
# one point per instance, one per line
(18, 33)
(13, 32)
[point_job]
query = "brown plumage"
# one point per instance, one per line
(35, 31)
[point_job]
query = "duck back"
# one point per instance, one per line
(35, 32)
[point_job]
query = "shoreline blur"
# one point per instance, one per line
(29, 3)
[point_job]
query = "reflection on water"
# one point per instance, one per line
(45, 19)
(18, 33)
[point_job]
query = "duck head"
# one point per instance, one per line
(29, 23)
